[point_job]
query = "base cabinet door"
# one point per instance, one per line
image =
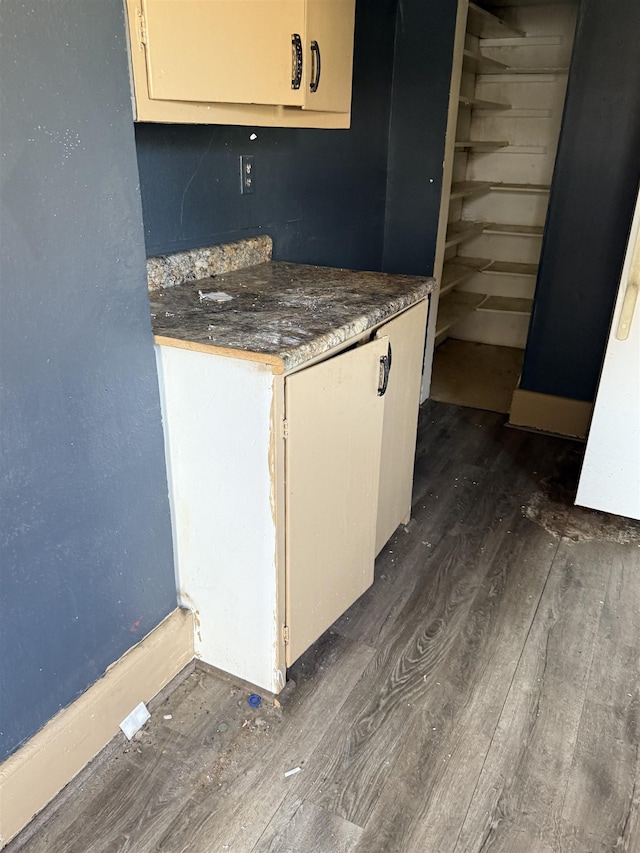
(406, 334)
(334, 414)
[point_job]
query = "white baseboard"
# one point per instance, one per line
(31, 777)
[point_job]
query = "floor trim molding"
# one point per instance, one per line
(31, 777)
(548, 413)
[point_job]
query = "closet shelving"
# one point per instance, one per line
(479, 104)
(495, 217)
(460, 232)
(466, 189)
(476, 63)
(479, 144)
(457, 305)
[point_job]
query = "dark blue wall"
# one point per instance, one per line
(591, 204)
(319, 193)
(85, 541)
(420, 102)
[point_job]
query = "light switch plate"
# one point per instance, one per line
(247, 177)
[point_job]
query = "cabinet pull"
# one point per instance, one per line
(296, 61)
(315, 66)
(385, 369)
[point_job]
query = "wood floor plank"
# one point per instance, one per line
(600, 810)
(429, 790)
(445, 479)
(351, 767)
(170, 788)
(300, 826)
(234, 818)
(135, 795)
(398, 568)
(522, 784)
(457, 490)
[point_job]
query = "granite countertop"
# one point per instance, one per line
(280, 313)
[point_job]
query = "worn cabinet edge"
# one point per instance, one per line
(222, 424)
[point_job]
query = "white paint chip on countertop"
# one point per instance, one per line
(218, 296)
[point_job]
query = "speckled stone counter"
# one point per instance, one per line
(280, 313)
(170, 270)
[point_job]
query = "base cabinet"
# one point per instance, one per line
(283, 486)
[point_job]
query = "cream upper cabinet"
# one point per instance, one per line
(262, 62)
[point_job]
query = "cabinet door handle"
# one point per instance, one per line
(296, 60)
(315, 66)
(385, 369)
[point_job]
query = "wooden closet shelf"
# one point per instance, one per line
(507, 304)
(538, 69)
(520, 188)
(459, 270)
(483, 24)
(476, 63)
(513, 230)
(480, 104)
(465, 189)
(510, 268)
(454, 307)
(480, 145)
(460, 232)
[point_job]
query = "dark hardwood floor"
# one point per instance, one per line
(483, 695)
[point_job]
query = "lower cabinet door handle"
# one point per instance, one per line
(385, 366)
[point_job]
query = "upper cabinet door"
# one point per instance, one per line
(329, 54)
(271, 52)
(225, 51)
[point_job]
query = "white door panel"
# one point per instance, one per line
(610, 478)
